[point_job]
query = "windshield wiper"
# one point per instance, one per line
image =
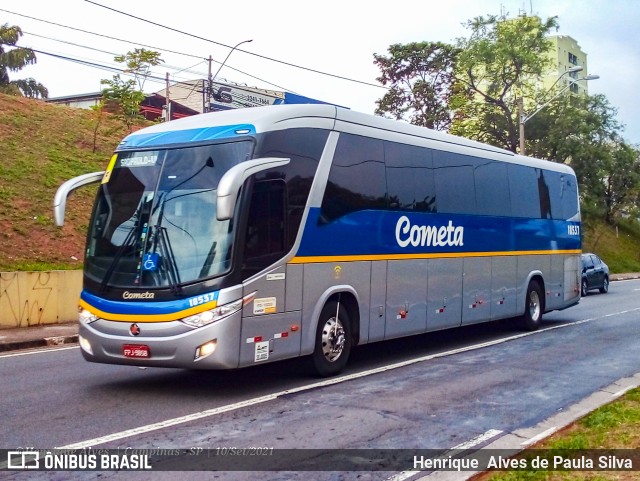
(208, 261)
(129, 241)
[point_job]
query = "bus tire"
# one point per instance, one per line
(534, 307)
(333, 340)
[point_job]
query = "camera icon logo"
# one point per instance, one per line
(23, 460)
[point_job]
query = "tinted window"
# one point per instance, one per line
(563, 193)
(304, 147)
(265, 240)
(357, 178)
(524, 192)
(410, 180)
(455, 186)
(492, 189)
(588, 261)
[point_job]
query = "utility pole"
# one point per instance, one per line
(208, 89)
(168, 106)
(521, 124)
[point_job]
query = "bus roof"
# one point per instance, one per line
(254, 120)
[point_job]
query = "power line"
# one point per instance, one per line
(70, 43)
(239, 50)
(102, 66)
(140, 44)
(171, 67)
(80, 61)
(98, 34)
(240, 98)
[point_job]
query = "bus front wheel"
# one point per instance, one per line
(534, 307)
(333, 340)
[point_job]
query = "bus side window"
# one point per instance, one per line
(357, 180)
(265, 239)
(524, 192)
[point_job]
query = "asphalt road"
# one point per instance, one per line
(434, 391)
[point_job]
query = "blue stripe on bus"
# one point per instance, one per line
(366, 233)
(184, 136)
(150, 308)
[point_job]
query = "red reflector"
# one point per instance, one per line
(257, 339)
(285, 334)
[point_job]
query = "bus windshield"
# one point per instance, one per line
(154, 222)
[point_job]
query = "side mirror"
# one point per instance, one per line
(233, 179)
(60, 199)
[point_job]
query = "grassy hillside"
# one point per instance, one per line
(618, 246)
(43, 145)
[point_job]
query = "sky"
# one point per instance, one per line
(323, 50)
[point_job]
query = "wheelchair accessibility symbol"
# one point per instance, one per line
(151, 261)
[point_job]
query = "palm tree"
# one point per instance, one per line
(15, 59)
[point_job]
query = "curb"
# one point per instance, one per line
(624, 278)
(33, 343)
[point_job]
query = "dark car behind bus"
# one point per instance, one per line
(595, 274)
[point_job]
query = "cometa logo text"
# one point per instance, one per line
(428, 235)
(138, 295)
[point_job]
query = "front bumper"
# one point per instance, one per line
(170, 344)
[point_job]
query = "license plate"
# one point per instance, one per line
(139, 351)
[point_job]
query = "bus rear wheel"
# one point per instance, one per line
(333, 340)
(534, 307)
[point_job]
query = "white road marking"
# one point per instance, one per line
(38, 351)
(328, 382)
(492, 433)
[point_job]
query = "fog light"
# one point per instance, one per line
(205, 350)
(85, 345)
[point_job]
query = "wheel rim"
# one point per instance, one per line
(333, 339)
(534, 306)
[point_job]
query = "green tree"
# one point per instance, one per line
(13, 59)
(498, 63)
(139, 63)
(127, 99)
(573, 129)
(583, 131)
(124, 93)
(420, 77)
(615, 188)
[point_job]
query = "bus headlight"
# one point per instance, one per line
(212, 315)
(86, 317)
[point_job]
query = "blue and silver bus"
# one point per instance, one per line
(235, 238)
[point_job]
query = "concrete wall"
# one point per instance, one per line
(37, 298)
